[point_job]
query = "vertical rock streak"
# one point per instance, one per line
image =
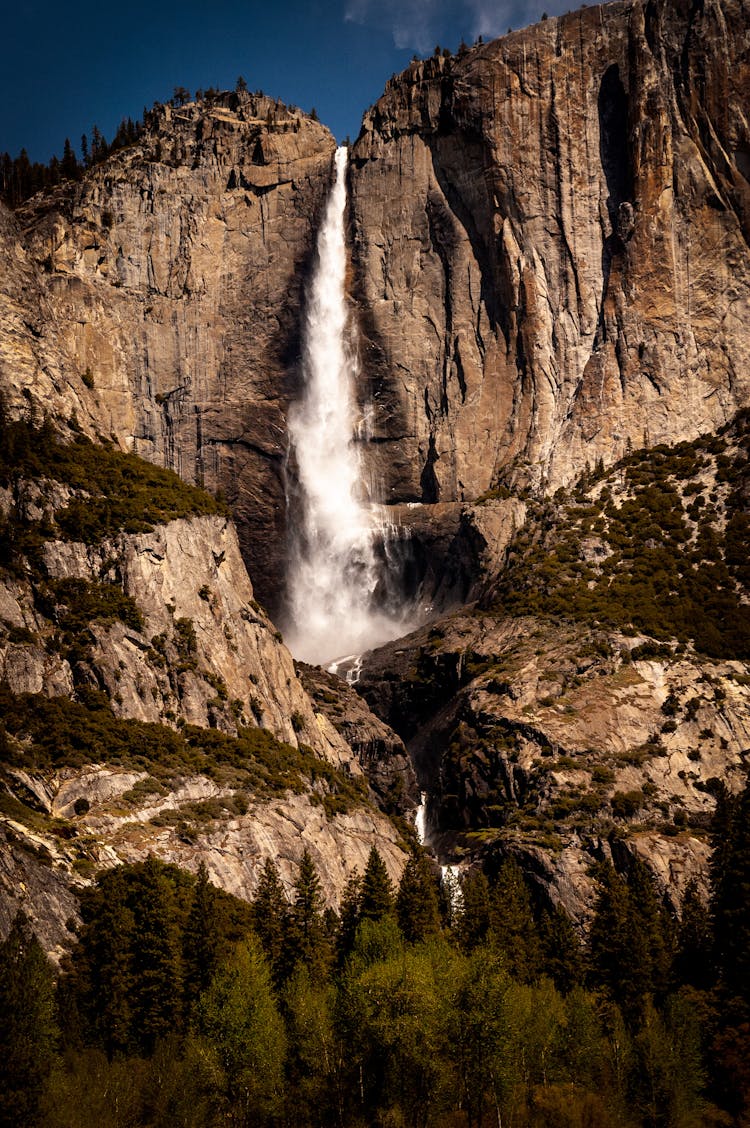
(333, 571)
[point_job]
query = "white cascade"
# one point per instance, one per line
(333, 570)
(420, 819)
(450, 875)
(350, 666)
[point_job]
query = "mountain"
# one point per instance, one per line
(549, 268)
(551, 240)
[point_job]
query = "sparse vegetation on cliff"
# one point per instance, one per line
(120, 492)
(657, 545)
(58, 732)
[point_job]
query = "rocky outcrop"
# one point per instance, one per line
(204, 652)
(173, 274)
(379, 750)
(197, 650)
(43, 866)
(548, 742)
(550, 239)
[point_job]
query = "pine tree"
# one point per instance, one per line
(377, 889)
(609, 935)
(417, 900)
(155, 959)
(199, 940)
(694, 960)
(307, 935)
(513, 930)
(562, 950)
(349, 918)
(69, 164)
(653, 924)
(631, 939)
(271, 917)
(101, 981)
(730, 894)
(27, 1028)
(474, 916)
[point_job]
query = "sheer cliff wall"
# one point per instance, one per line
(174, 274)
(551, 240)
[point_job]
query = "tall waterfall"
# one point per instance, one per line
(333, 568)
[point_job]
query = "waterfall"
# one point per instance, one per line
(450, 875)
(420, 819)
(334, 569)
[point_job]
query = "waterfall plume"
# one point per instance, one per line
(334, 568)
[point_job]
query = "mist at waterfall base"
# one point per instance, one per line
(341, 595)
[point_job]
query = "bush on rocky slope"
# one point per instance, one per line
(122, 492)
(59, 732)
(657, 545)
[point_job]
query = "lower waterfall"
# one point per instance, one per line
(334, 569)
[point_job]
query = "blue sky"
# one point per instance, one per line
(68, 66)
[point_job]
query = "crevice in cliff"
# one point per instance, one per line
(428, 478)
(475, 162)
(613, 140)
(614, 152)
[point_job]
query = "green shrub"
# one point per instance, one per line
(625, 804)
(298, 721)
(126, 493)
(75, 603)
(667, 572)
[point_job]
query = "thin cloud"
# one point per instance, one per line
(492, 19)
(412, 23)
(419, 24)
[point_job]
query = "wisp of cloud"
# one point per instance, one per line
(420, 24)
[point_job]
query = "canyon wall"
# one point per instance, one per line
(549, 265)
(174, 276)
(551, 241)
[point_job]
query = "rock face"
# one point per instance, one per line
(203, 653)
(551, 247)
(174, 274)
(206, 651)
(35, 370)
(378, 748)
(549, 743)
(41, 872)
(549, 238)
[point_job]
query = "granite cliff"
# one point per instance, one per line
(551, 240)
(174, 275)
